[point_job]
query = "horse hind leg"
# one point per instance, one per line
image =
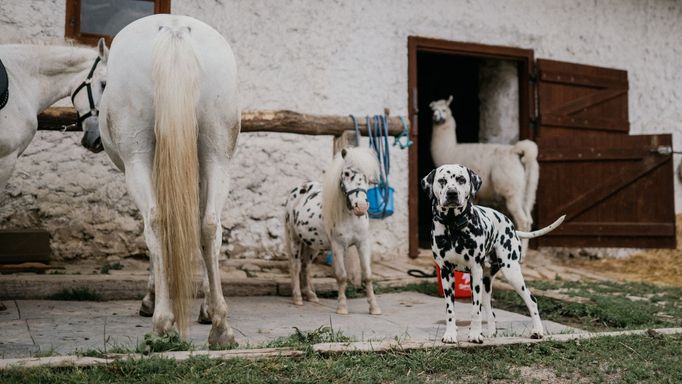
(139, 182)
(295, 255)
(214, 193)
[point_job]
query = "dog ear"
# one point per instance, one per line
(449, 99)
(475, 181)
(427, 183)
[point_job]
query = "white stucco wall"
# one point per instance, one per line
(331, 57)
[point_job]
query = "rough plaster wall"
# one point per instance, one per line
(499, 98)
(339, 57)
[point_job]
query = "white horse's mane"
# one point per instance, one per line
(333, 199)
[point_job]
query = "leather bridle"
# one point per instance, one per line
(88, 87)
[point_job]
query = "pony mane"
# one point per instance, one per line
(333, 199)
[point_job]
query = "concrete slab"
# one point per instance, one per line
(70, 326)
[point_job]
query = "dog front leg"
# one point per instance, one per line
(475, 331)
(448, 279)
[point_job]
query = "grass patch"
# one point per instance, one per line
(171, 341)
(630, 359)
(108, 267)
(609, 305)
(77, 294)
(305, 339)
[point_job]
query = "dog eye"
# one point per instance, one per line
(460, 180)
(442, 182)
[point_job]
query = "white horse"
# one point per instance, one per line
(170, 120)
(39, 76)
(509, 172)
(332, 215)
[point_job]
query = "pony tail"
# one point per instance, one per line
(176, 164)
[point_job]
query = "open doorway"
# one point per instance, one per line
(491, 97)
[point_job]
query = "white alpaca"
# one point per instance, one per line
(508, 172)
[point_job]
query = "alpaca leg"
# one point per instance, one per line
(139, 182)
(214, 194)
(365, 253)
(295, 255)
(341, 276)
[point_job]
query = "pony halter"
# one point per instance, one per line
(348, 193)
(86, 84)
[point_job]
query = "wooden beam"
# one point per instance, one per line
(261, 121)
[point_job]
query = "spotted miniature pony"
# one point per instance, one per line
(332, 215)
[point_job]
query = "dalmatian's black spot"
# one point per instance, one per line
(533, 298)
(486, 283)
(477, 288)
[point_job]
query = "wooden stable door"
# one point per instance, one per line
(616, 189)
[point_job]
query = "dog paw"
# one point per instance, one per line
(476, 338)
(449, 338)
(537, 335)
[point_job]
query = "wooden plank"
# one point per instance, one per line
(615, 229)
(262, 121)
(20, 246)
(554, 154)
(593, 123)
(587, 101)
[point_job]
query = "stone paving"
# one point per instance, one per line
(30, 327)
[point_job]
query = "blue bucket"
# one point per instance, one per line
(380, 202)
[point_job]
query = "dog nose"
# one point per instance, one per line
(451, 195)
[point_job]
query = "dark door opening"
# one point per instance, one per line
(438, 69)
(440, 76)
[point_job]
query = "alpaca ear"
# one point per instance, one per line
(427, 184)
(449, 100)
(475, 181)
(432, 104)
(102, 50)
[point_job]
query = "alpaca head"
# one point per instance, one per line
(441, 110)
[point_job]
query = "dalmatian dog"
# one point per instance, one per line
(478, 240)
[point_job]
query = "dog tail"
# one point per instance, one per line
(528, 153)
(543, 231)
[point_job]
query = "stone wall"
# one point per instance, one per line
(330, 57)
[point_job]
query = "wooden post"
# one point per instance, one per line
(352, 259)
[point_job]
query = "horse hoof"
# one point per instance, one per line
(146, 309)
(204, 317)
(221, 339)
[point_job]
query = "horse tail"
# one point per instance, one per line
(528, 153)
(176, 164)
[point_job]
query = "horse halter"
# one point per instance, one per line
(347, 193)
(86, 84)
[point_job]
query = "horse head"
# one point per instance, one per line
(86, 96)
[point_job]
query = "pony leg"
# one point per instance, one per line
(296, 253)
(306, 276)
(214, 181)
(341, 276)
(139, 182)
(364, 251)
